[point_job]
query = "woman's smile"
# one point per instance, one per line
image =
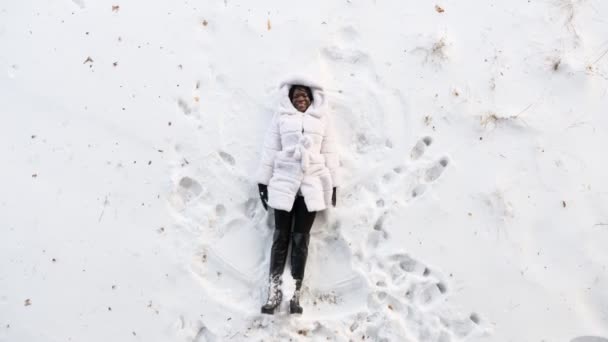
(300, 100)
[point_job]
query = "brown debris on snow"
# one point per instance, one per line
(555, 64)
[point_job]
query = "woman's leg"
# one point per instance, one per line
(278, 257)
(301, 233)
(299, 248)
(280, 243)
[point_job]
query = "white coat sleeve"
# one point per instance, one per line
(272, 145)
(329, 149)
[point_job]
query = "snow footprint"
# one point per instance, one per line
(412, 295)
(190, 187)
(186, 191)
(227, 158)
(423, 288)
(420, 147)
(379, 233)
(404, 264)
(418, 190)
(433, 173)
(204, 335)
(422, 177)
(424, 294)
(430, 175)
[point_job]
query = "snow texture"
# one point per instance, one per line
(473, 197)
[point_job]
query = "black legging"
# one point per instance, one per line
(303, 218)
(302, 223)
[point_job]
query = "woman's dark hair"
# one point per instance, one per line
(305, 88)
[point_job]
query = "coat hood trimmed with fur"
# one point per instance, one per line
(318, 105)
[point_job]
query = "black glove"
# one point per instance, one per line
(263, 195)
(333, 197)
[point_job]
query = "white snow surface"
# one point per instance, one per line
(473, 136)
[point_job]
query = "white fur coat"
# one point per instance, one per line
(300, 152)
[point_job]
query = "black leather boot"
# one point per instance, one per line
(299, 253)
(278, 257)
(294, 303)
(275, 295)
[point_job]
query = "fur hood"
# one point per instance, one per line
(318, 105)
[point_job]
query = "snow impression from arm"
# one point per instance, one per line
(329, 149)
(272, 145)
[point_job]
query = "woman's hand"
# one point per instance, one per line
(333, 197)
(263, 188)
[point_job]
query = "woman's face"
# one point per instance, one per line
(300, 100)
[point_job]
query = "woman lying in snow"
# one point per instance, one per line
(297, 178)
